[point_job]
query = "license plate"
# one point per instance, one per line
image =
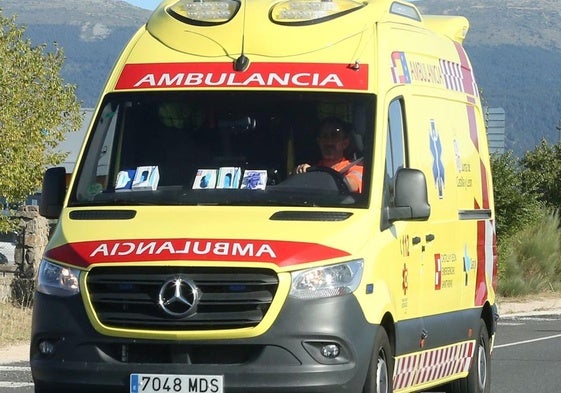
(170, 383)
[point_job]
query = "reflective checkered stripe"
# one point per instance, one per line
(452, 74)
(422, 367)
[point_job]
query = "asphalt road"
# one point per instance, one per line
(16, 378)
(527, 358)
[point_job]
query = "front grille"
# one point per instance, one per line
(230, 298)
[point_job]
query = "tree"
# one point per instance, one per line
(542, 173)
(37, 109)
(516, 205)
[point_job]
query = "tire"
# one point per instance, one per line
(380, 371)
(479, 377)
(40, 388)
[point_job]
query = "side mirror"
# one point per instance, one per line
(54, 190)
(410, 197)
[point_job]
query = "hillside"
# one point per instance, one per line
(83, 13)
(92, 33)
(515, 46)
(530, 23)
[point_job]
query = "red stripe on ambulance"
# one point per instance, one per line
(259, 75)
(281, 253)
(486, 237)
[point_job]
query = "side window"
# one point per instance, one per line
(94, 173)
(395, 147)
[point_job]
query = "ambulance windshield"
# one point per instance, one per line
(225, 148)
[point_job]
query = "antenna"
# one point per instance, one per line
(242, 62)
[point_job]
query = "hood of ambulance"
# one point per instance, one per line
(281, 239)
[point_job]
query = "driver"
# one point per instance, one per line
(333, 139)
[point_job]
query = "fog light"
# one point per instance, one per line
(46, 347)
(330, 351)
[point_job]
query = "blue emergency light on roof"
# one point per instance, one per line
(205, 12)
(311, 11)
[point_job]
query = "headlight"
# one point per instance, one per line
(327, 281)
(57, 280)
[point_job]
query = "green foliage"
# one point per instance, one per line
(511, 281)
(542, 173)
(528, 235)
(531, 258)
(37, 109)
(516, 206)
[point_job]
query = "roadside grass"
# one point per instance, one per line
(15, 320)
(530, 260)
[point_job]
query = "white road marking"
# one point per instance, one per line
(510, 323)
(14, 368)
(11, 384)
(15, 384)
(528, 341)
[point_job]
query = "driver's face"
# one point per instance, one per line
(332, 142)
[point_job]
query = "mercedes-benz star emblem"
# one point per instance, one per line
(179, 297)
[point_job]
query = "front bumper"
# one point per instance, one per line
(286, 358)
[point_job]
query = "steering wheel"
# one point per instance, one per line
(338, 177)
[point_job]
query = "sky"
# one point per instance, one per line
(146, 4)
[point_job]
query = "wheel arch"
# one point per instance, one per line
(388, 324)
(490, 316)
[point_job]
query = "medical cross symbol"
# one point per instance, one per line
(437, 165)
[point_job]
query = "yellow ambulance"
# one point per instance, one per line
(275, 196)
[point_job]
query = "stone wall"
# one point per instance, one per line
(32, 238)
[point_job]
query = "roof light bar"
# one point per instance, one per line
(310, 11)
(205, 12)
(405, 10)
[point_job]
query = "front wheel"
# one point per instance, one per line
(479, 377)
(380, 370)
